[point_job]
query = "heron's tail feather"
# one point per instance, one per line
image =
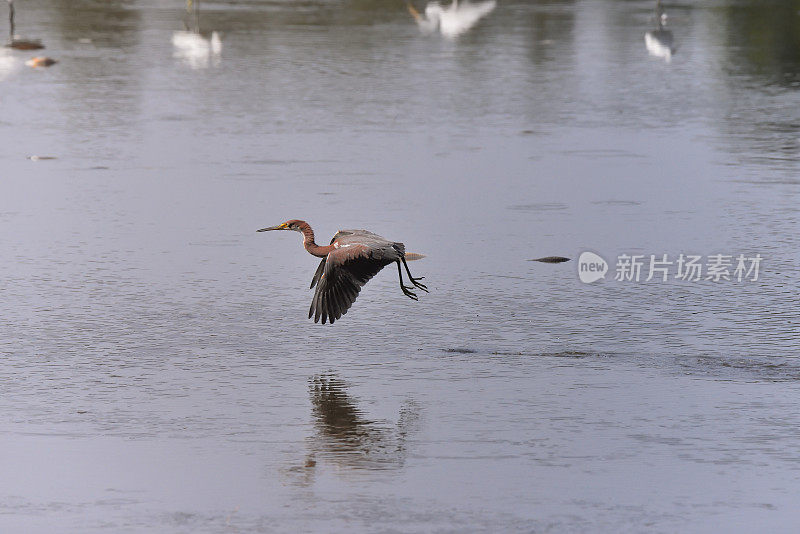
(550, 259)
(411, 256)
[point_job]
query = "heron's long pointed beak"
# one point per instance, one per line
(279, 227)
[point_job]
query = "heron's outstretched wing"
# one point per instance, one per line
(340, 277)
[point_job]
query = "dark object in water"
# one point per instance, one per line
(551, 259)
(40, 61)
(25, 44)
(660, 43)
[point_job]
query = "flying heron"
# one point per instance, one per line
(352, 258)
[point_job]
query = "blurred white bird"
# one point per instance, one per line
(660, 42)
(197, 50)
(40, 61)
(452, 20)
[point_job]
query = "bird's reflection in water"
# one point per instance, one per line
(660, 41)
(198, 49)
(345, 438)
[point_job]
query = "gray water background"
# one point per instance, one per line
(158, 370)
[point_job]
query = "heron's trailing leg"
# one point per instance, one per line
(406, 289)
(413, 280)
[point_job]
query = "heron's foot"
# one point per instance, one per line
(407, 292)
(418, 284)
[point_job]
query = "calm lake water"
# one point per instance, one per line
(158, 370)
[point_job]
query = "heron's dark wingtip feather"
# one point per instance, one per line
(313, 308)
(336, 305)
(551, 259)
(318, 273)
(340, 302)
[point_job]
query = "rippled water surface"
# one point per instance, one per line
(159, 372)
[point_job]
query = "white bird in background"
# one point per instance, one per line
(198, 49)
(660, 42)
(452, 20)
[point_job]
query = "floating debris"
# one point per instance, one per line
(551, 259)
(40, 61)
(25, 44)
(39, 158)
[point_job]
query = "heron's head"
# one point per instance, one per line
(294, 224)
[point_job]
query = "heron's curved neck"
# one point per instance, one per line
(310, 245)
